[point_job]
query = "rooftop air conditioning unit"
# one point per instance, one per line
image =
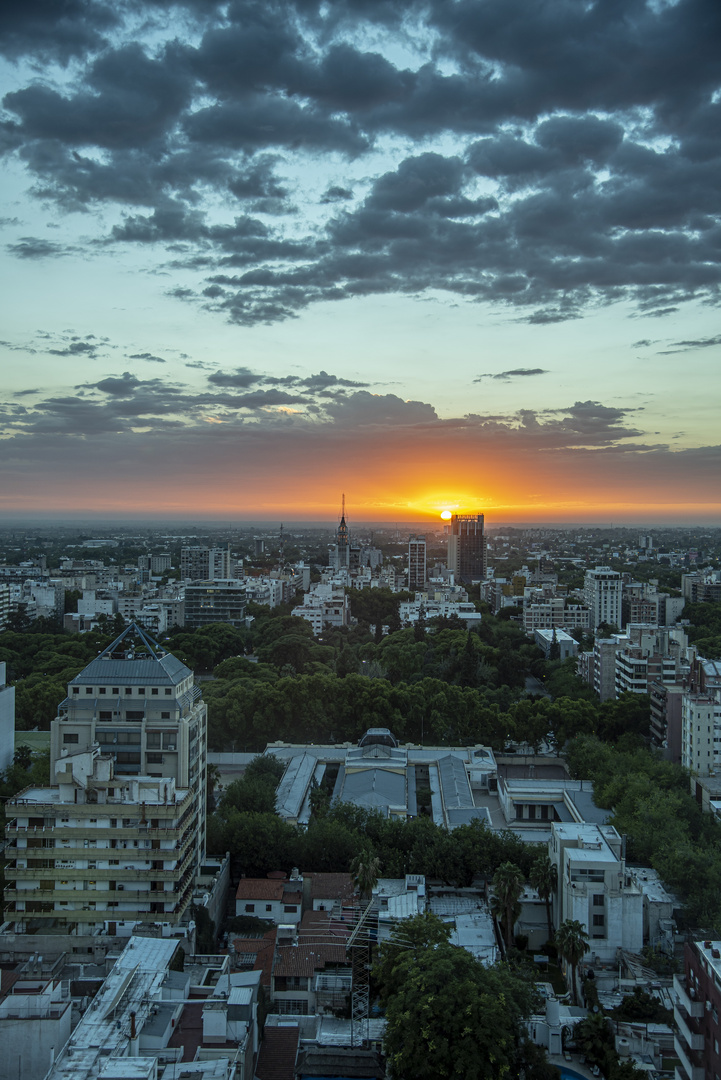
(172, 747)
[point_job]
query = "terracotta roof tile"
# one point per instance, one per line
(331, 886)
(260, 889)
(278, 1052)
(262, 949)
(306, 958)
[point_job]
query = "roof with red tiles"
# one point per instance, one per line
(292, 897)
(278, 1052)
(259, 952)
(306, 958)
(260, 889)
(331, 886)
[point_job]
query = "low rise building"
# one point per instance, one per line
(35, 1021)
(595, 889)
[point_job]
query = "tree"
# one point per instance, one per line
(572, 944)
(594, 1037)
(451, 1017)
(544, 879)
(365, 870)
(508, 882)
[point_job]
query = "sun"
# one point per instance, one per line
(446, 515)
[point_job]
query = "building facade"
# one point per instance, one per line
(602, 594)
(99, 852)
(467, 547)
(215, 601)
(416, 562)
(140, 705)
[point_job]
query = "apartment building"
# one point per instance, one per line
(701, 733)
(602, 594)
(215, 601)
(140, 705)
(417, 571)
(99, 852)
(697, 1007)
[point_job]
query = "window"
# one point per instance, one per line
(141, 691)
(165, 716)
(76, 689)
(128, 689)
(134, 715)
(154, 691)
(106, 715)
(250, 907)
(168, 691)
(70, 737)
(116, 689)
(291, 909)
(154, 759)
(598, 900)
(88, 689)
(152, 740)
(598, 920)
(101, 689)
(268, 907)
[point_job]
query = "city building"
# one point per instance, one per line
(205, 564)
(467, 547)
(340, 551)
(215, 601)
(410, 611)
(324, 606)
(140, 705)
(603, 594)
(701, 733)
(595, 889)
(35, 1021)
(416, 562)
(696, 1012)
(379, 774)
(558, 640)
(99, 852)
(4, 605)
(7, 720)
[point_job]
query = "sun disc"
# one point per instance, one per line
(446, 515)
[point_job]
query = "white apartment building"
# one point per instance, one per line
(410, 611)
(4, 605)
(325, 605)
(595, 889)
(34, 1025)
(141, 706)
(7, 720)
(701, 733)
(97, 852)
(555, 612)
(602, 594)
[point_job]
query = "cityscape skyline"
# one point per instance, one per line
(254, 256)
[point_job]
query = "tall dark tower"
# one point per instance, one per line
(467, 548)
(342, 540)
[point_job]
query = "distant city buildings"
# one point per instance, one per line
(416, 562)
(602, 595)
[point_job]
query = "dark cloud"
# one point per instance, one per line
(78, 348)
(513, 373)
(687, 346)
(147, 357)
(31, 247)
(241, 377)
(584, 171)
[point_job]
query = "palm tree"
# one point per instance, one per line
(365, 870)
(544, 879)
(508, 882)
(572, 944)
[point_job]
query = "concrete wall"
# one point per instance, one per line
(28, 1045)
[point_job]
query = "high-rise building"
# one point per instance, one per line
(140, 705)
(603, 594)
(205, 564)
(416, 562)
(97, 852)
(219, 601)
(467, 547)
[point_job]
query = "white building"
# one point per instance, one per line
(325, 605)
(595, 889)
(410, 611)
(34, 1025)
(546, 639)
(701, 733)
(602, 594)
(140, 704)
(99, 853)
(7, 720)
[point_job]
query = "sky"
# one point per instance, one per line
(451, 254)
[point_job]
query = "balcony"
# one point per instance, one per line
(692, 1071)
(694, 1041)
(692, 1007)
